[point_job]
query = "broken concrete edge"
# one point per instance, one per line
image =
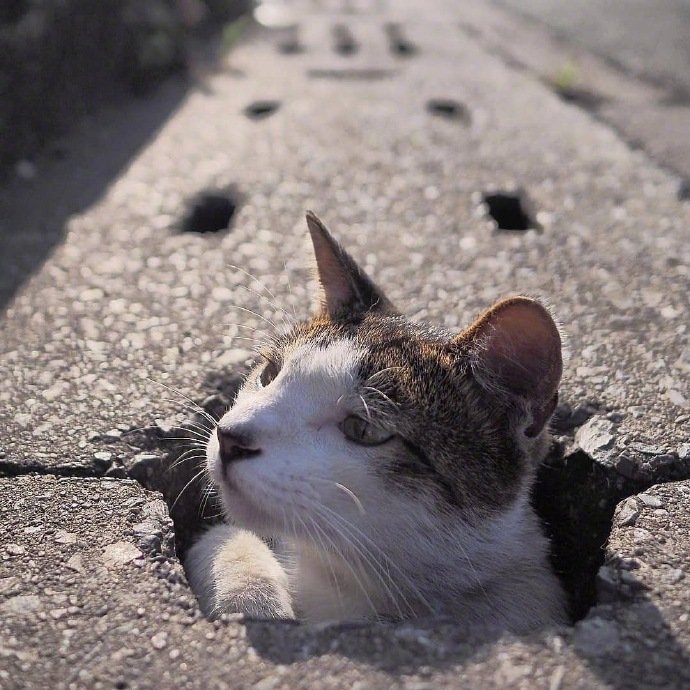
(592, 490)
(610, 641)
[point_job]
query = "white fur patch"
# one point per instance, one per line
(294, 421)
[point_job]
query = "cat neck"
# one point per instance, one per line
(453, 573)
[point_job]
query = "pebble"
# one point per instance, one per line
(647, 449)
(595, 437)
(21, 605)
(625, 466)
(628, 513)
(63, 537)
(166, 426)
(675, 575)
(75, 563)
(159, 640)
(144, 460)
(650, 501)
(103, 458)
(15, 549)
(120, 553)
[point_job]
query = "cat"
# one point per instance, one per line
(390, 463)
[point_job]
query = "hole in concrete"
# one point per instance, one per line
(344, 42)
(684, 190)
(350, 74)
(449, 109)
(574, 496)
(589, 100)
(261, 109)
(510, 210)
(398, 43)
(210, 211)
(290, 45)
(171, 454)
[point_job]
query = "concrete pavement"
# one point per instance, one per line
(126, 298)
(626, 62)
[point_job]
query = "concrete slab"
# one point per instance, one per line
(126, 298)
(625, 62)
(91, 596)
(642, 37)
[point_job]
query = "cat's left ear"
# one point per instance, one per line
(345, 289)
(515, 351)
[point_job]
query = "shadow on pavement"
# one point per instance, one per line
(69, 177)
(629, 647)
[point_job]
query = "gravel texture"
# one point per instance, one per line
(128, 305)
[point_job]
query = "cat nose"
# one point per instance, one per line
(234, 445)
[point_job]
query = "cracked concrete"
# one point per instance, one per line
(127, 305)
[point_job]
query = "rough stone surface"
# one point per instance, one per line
(134, 621)
(129, 319)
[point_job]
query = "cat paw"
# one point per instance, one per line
(233, 571)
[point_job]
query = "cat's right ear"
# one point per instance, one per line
(345, 290)
(515, 351)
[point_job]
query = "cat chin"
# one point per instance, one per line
(243, 512)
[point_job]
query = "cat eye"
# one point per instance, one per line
(268, 373)
(364, 433)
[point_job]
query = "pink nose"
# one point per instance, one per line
(234, 445)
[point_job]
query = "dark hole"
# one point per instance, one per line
(510, 210)
(677, 95)
(575, 498)
(344, 41)
(290, 47)
(448, 108)
(261, 109)
(399, 44)
(350, 74)
(171, 454)
(210, 212)
(581, 97)
(684, 190)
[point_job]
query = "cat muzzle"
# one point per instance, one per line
(234, 446)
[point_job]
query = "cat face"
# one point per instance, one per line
(361, 420)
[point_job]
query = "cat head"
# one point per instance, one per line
(362, 415)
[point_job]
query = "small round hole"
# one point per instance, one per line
(261, 109)
(449, 109)
(510, 210)
(210, 212)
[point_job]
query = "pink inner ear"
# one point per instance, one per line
(521, 353)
